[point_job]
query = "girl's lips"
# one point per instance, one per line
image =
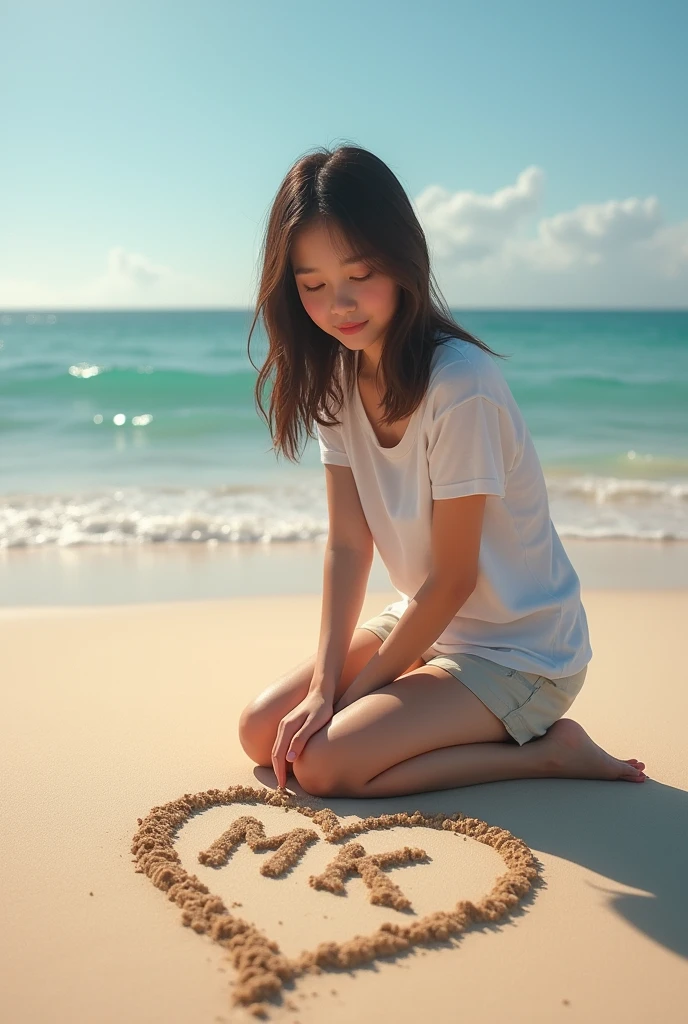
(352, 330)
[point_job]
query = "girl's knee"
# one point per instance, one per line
(254, 733)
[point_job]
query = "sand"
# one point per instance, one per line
(261, 968)
(119, 718)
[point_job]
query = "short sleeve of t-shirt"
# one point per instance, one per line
(332, 450)
(465, 450)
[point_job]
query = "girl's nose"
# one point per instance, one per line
(343, 304)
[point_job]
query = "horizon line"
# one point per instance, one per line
(4, 310)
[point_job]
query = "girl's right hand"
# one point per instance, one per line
(296, 728)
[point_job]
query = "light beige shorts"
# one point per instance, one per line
(526, 703)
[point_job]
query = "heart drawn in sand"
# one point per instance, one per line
(261, 968)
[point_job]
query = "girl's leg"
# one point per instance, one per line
(259, 719)
(427, 731)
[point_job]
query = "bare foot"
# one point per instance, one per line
(574, 755)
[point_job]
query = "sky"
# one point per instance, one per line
(544, 146)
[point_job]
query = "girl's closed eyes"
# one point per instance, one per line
(317, 288)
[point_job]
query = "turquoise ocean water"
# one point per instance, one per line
(133, 427)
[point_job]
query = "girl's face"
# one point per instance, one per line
(336, 293)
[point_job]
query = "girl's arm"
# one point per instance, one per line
(427, 616)
(455, 548)
(347, 564)
(345, 577)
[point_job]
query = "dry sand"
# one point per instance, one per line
(113, 713)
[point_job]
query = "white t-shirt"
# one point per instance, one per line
(468, 437)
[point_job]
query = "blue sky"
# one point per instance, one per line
(544, 145)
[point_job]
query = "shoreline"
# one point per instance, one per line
(178, 572)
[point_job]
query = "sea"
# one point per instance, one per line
(133, 427)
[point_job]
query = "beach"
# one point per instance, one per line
(159, 567)
(116, 708)
(210, 221)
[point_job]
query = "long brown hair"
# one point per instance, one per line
(351, 190)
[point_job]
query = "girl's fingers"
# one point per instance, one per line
(299, 741)
(284, 738)
(292, 736)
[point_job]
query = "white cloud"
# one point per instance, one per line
(130, 280)
(127, 269)
(468, 226)
(614, 253)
